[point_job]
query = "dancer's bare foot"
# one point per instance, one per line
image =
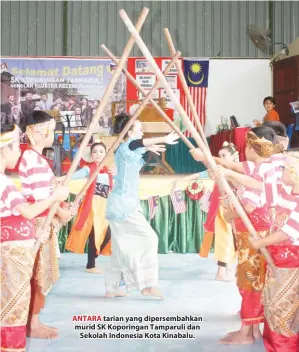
(232, 333)
(115, 294)
(42, 331)
(256, 332)
(222, 274)
(152, 291)
(94, 271)
(237, 339)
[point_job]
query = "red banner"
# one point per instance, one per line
(142, 72)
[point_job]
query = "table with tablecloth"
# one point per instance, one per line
(236, 136)
(182, 233)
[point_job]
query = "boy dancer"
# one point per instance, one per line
(38, 182)
(281, 291)
(251, 265)
(18, 235)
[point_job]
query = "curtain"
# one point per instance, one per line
(182, 233)
(179, 158)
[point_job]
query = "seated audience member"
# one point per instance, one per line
(272, 115)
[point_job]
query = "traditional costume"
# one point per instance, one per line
(216, 227)
(17, 258)
(224, 247)
(38, 183)
(251, 267)
(134, 243)
(91, 222)
(281, 292)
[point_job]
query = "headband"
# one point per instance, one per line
(9, 137)
(38, 131)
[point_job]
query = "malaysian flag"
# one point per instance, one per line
(178, 202)
(205, 201)
(153, 203)
(197, 76)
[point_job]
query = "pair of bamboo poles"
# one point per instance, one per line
(198, 137)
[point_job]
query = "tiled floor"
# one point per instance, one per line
(186, 280)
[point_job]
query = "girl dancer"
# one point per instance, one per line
(134, 243)
(216, 224)
(18, 235)
(91, 223)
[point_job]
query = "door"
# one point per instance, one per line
(286, 87)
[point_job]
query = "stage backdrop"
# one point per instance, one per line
(62, 84)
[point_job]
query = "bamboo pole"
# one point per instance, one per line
(159, 109)
(124, 131)
(185, 87)
(96, 118)
(188, 124)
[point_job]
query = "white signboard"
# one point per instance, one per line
(142, 66)
(172, 81)
(165, 95)
(146, 81)
(173, 69)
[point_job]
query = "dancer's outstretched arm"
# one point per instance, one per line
(242, 179)
(171, 138)
(275, 238)
(198, 155)
(30, 211)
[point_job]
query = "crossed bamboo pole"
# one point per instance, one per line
(123, 133)
(185, 88)
(96, 118)
(188, 124)
(144, 93)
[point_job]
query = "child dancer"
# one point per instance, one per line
(18, 235)
(261, 143)
(281, 294)
(134, 243)
(216, 224)
(38, 183)
(91, 223)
